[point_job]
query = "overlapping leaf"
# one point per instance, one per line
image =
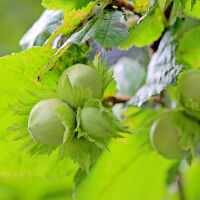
(188, 51)
(162, 69)
(101, 28)
(188, 24)
(19, 73)
(191, 7)
(163, 4)
(146, 32)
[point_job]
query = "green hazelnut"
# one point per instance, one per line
(95, 123)
(45, 126)
(99, 125)
(165, 137)
(81, 76)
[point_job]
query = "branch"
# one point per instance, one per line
(112, 100)
(123, 4)
(159, 99)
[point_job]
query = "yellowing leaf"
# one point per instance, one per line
(140, 6)
(65, 5)
(71, 20)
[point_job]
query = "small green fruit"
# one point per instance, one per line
(81, 76)
(44, 124)
(95, 123)
(98, 125)
(188, 88)
(165, 137)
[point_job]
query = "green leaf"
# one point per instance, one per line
(106, 31)
(188, 51)
(79, 176)
(19, 73)
(193, 2)
(140, 6)
(103, 30)
(126, 172)
(163, 4)
(33, 178)
(190, 177)
(153, 24)
(162, 69)
(182, 3)
(188, 24)
(172, 173)
(42, 29)
(65, 5)
(189, 6)
(192, 8)
(100, 28)
(27, 63)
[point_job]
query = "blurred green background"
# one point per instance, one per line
(16, 17)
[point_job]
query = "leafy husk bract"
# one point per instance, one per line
(105, 73)
(189, 131)
(73, 95)
(82, 151)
